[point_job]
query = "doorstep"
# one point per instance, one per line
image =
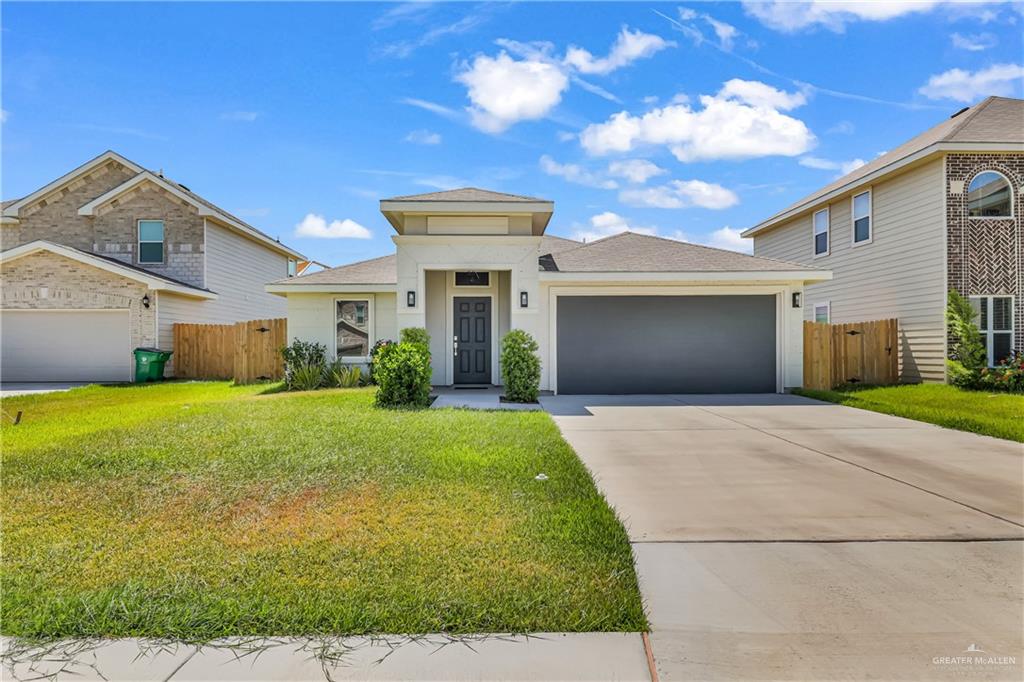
(476, 398)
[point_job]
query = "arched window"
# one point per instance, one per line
(989, 196)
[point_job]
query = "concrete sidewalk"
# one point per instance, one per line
(580, 657)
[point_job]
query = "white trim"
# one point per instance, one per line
(871, 218)
(155, 303)
(371, 337)
(967, 195)
(163, 242)
(872, 178)
(987, 334)
(206, 247)
(13, 210)
(945, 275)
(827, 305)
(155, 283)
(779, 292)
(827, 233)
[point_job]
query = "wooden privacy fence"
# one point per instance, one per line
(244, 351)
(850, 353)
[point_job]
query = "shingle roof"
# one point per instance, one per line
(467, 194)
(382, 270)
(633, 252)
(996, 119)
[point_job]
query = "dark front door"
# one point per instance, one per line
(472, 344)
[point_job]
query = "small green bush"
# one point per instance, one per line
(968, 356)
(343, 375)
(371, 378)
(418, 336)
(303, 357)
(1008, 375)
(308, 377)
(520, 367)
(402, 372)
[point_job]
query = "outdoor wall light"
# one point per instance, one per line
(410, 299)
(524, 299)
(145, 301)
(796, 299)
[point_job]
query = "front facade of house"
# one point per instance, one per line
(941, 212)
(626, 314)
(108, 257)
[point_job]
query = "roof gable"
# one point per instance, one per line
(12, 208)
(473, 194)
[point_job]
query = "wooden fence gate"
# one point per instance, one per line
(851, 353)
(244, 351)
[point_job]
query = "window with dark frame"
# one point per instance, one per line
(862, 218)
(472, 279)
(821, 232)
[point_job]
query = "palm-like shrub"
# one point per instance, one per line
(520, 367)
(968, 356)
(304, 358)
(343, 375)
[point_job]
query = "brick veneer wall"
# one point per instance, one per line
(48, 281)
(113, 230)
(984, 254)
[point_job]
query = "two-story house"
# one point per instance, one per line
(108, 257)
(940, 212)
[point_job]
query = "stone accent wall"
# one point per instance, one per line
(984, 255)
(113, 230)
(47, 281)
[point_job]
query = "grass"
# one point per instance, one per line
(201, 510)
(991, 414)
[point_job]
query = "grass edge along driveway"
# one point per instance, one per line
(991, 414)
(194, 511)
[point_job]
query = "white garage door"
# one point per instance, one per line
(65, 345)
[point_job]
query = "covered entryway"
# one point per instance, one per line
(65, 345)
(666, 344)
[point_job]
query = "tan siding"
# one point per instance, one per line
(900, 274)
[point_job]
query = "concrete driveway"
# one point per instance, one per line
(11, 389)
(778, 537)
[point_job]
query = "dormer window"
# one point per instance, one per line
(990, 196)
(151, 241)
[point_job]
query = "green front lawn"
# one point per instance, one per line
(201, 510)
(992, 414)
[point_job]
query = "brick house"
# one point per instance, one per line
(939, 212)
(108, 257)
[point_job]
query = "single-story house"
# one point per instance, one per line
(630, 313)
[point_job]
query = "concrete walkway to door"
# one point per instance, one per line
(778, 537)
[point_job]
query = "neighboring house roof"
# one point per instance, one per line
(153, 280)
(206, 208)
(466, 194)
(633, 252)
(997, 121)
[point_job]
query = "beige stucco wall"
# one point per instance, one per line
(311, 317)
(900, 274)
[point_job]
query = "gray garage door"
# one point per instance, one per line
(65, 345)
(666, 344)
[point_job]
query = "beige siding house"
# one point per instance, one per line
(917, 234)
(108, 257)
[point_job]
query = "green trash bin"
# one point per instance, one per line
(149, 364)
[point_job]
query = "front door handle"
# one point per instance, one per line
(455, 346)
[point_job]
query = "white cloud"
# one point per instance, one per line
(843, 167)
(423, 137)
(607, 224)
(432, 107)
(629, 46)
(650, 99)
(635, 170)
(726, 32)
(244, 116)
(504, 91)
(430, 36)
(575, 173)
(742, 121)
(842, 128)
(681, 194)
(316, 226)
(788, 16)
(565, 136)
(968, 86)
(729, 238)
(977, 42)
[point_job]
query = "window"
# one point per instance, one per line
(472, 279)
(989, 196)
(151, 241)
(291, 267)
(862, 218)
(352, 325)
(821, 233)
(995, 321)
(823, 312)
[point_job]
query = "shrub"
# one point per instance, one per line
(402, 372)
(968, 357)
(1008, 375)
(520, 367)
(307, 377)
(343, 375)
(303, 356)
(372, 379)
(418, 336)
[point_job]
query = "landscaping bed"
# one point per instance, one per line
(201, 510)
(991, 414)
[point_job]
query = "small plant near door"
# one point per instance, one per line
(402, 373)
(520, 367)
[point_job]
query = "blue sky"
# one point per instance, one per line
(688, 120)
